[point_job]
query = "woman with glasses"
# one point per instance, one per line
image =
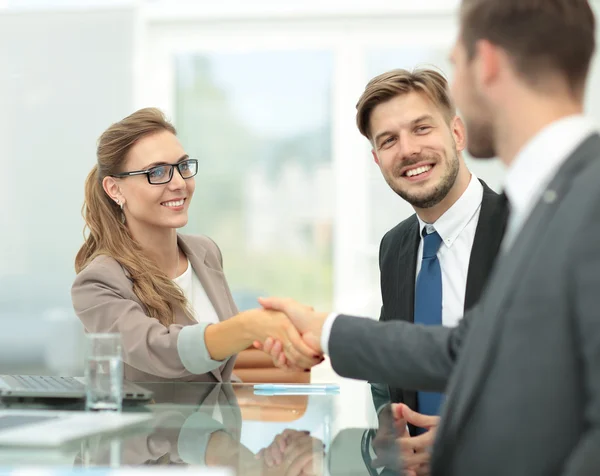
(165, 293)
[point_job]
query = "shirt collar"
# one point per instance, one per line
(539, 160)
(455, 219)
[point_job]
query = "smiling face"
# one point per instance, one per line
(148, 206)
(416, 149)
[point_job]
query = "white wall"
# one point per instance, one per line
(65, 76)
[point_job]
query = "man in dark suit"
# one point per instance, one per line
(522, 368)
(417, 141)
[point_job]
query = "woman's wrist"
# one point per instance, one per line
(250, 326)
(230, 336)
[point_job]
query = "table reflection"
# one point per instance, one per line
(223, 425)
(202, 425)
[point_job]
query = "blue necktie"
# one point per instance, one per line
(428, 306)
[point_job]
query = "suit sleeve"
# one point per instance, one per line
(148, 345)
(585, 282)
(397, 353)
(380, 391)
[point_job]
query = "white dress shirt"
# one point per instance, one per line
(457, 228)
(535, 166)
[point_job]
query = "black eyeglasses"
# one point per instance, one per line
(162, 174)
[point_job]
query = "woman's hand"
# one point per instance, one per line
(265, 324)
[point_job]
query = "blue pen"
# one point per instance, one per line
(300, 388)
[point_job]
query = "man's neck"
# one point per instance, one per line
(522, 123)
(431, 215)
(160, 244)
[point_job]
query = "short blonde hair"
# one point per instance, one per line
(388, 85)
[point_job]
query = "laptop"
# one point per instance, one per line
(51, 428)
(23, 388)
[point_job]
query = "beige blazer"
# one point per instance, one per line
(104, 300)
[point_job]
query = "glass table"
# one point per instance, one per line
(206, 426)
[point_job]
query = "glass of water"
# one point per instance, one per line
(103, 372)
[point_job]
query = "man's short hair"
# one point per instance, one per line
(541, 36)
(397, 82)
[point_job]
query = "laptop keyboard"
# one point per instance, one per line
(39, 382)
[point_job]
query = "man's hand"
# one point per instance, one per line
(263, 323)
(308, 322)
(274, 348)
(389, 430)
(416, 450)
(386, 443)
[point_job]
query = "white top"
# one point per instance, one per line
(457, 229)
(194, 292)
(535, 166)
(527, 178)
(190, 343)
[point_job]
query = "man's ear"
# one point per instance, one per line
(487, 59)
(459, 133)
(375, 157)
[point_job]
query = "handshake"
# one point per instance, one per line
(289, 332)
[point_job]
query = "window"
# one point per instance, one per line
(259, 123)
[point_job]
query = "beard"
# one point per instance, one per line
(438, 192)
(480, 143)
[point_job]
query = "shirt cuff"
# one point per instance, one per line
(193, 352)
(326, 331)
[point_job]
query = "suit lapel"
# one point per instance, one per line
(404, 304)
(213, 280)
(401, 291)
(483, 340)
(488, 237)
(214, 284)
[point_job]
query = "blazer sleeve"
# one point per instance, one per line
(398, 353)
(585, 282)
(102, 300)
(379, 391)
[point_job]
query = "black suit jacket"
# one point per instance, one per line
(398, 264)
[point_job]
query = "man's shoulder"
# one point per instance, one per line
(399, 239)
(584, 191)
(401, 231)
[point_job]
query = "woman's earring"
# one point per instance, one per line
(122, 213)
